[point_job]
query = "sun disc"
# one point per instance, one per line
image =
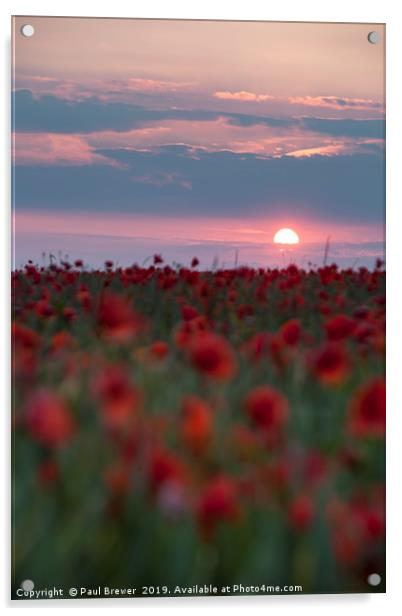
(286, 236)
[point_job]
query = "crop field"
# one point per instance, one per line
(173, 426)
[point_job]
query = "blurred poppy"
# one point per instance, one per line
(218, 502)
(164, 466)
(159, 349)
(330, 364)
(301, 513)
(44, 309)
(196, 427)
(340, 327)
(116, 317)
(290, 332)
(187, 329)
(118, 397)
(69, 314)
(84, 297)
(267, 408)
(61, 340)
(211, 355)
(188, 312)
(367, 409)
(24, 336)
(48, 419)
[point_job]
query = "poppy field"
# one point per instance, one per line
(180, 427)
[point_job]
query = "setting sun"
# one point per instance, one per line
(286, 236)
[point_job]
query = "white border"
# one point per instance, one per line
(386, 11)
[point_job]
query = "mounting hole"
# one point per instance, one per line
(27, 30)
(27, 585)
(374, 579)
(373, 37)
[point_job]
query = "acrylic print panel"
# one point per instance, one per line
(198, 308)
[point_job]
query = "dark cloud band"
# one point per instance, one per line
(56, 115)
(172, 181)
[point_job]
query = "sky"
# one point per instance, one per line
(197, 138)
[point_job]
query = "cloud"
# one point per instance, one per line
(326, 150)
(55, 149)
(112, 89)
(335, 102)
(176, 180)
(50, 114)
(329, 102)
(374, 129)
(210, 135)
(243, 96)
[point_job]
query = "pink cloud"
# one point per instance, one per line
(338, 103)
(52, 148)
(243, 96)
(217, 135)
(334, 102)
(103, 89)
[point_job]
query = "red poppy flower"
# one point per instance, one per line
(44, 309)
(367, 410)
(188, 312)
(116, 317)
(159, 349)
(277, 351)
(69, 314)
(84, 297)
(330, 364)
(61, 340)
(301, 513)
(267, 408)
(164, 467)
(187, 329)
(218, 502)
(48, 419)
(196, 429)
(356, 525)
(25, 337)
(211, 355)
(340, 327)
(118, 397)
(290, 332)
